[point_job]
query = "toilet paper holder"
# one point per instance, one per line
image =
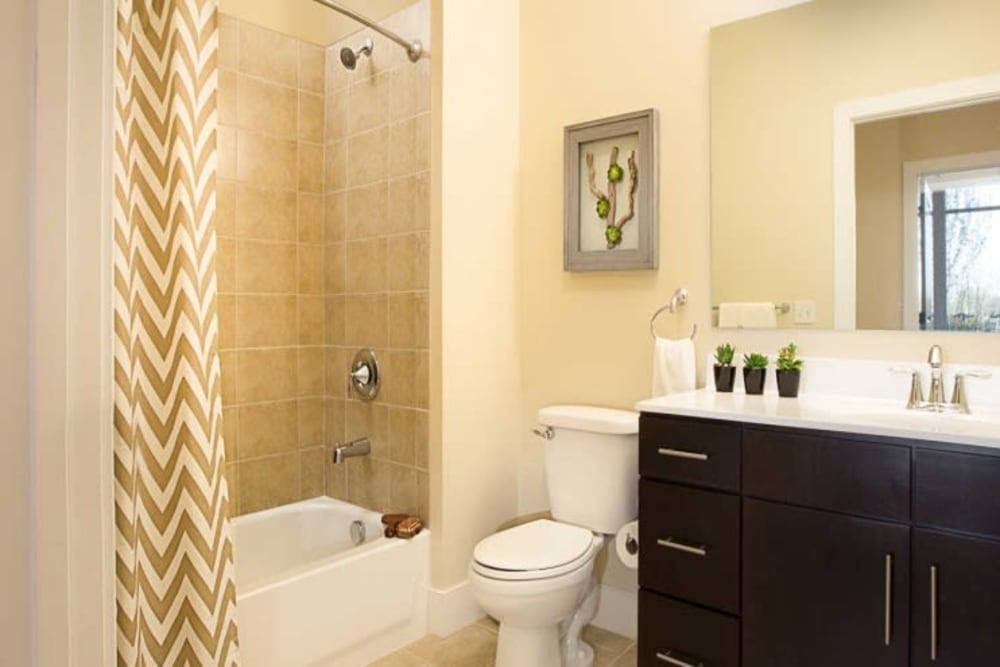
(631, 544)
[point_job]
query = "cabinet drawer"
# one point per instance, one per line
(957, 491)
(825, 472)
(674, 634)
(690, 451)
(689, 544)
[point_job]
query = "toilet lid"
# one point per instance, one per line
(539, 545)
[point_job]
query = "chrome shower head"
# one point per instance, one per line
(349, 57)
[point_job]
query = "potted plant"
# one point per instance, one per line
(789, 371)
(725, 374)
(754, 372)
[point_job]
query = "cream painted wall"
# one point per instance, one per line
(780, 211)
(16, 46)
(307, 20)
(475, 380)
(584, 337)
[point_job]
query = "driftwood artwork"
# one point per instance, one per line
(607, 204)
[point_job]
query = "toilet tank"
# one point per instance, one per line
(592, 465)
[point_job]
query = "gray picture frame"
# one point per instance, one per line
(645, 124)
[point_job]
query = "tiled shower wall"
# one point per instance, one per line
(377, 254)
(323, 232)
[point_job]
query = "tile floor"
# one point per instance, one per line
(476, 644)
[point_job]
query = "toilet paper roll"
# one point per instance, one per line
(627, 544)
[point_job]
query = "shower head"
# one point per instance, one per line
(349, 57)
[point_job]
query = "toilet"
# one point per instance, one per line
(537, 579)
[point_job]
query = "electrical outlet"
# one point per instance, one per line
(805, 312)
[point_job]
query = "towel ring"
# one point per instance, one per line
(679, 298)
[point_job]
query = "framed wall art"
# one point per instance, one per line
(611, 188)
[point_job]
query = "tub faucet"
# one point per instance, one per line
(359, 447)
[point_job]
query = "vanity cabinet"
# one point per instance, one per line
(766, 546)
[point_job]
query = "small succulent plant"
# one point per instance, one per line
(616, 173)
(755, 360)
(603, 208)
(788, 358)
(613, 235)
(724, 354)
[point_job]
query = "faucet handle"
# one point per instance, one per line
(958, 395)
(916, 397)
(934, 356)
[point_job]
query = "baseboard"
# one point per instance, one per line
(618, 611)
(451, 609)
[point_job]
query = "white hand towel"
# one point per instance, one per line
(748, 315)
(673, 366)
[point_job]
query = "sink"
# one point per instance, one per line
(929, 421)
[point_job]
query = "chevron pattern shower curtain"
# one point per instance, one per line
(176, 598)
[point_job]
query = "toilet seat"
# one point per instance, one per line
(540, 549)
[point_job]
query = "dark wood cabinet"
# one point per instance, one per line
(802, 548)
(822, 589)
(956, 600)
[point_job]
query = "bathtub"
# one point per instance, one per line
(307, 596)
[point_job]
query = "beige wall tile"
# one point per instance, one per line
(227, 153)
(266, 321)
(312, 67)
(225, 264)
(336, 78)
(266, 268)
(311, 117)
(335, 316)
(233, 487)
(227, 98)
(266, 162)
(228, 42)
(367, 157)
(409, 320)
(310, 274)
(312, 371)
(311, 168)
(226, 309)
(336, 372)
(406, 379)
(268, 482)
(336, 166)
(227, 361)
(311, 415)
(335, 220)
(267, 375)
(336, 409)
(336, 116)
(312, 313)
(225, 208)
(409, 142)
(409, 262)
(368, 483)
(410, 90)
(268, 108)
(311, 214)
(424, 497)
(335, 268)
(268, 428)
(366, 320)
(313, 473)
(367, 211)
(366, 265)
(336, 479)
(410, 203)
(230, 431)
(368, 419)
(421, 438)
(266, 215)
(369, 103)
(268, 55)
(403, 492)
(407, 435)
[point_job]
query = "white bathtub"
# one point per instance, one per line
(308, 597)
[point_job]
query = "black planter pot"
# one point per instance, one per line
(754, 379)
(725, 377)
(788, 383)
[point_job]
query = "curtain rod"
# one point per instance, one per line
(414, 49)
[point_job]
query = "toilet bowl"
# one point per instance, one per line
(537, 579)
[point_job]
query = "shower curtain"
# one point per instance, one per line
(176, 597)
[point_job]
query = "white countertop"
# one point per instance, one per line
(834, 413)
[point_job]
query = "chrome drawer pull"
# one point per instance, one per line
(671, 543)
(888, 599)
(681, 454)
(667, 657)
(934, 613)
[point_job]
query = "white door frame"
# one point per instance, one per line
(845, 116)
(73, 581)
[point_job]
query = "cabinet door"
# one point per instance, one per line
(956, 600)
(823, 590)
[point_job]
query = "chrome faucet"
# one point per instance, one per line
(936, 403)
(359, 447)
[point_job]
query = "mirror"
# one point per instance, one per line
(831, 122)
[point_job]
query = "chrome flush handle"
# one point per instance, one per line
(544, 432)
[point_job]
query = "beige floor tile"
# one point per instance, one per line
(599, 637)
(400, 659)
(630, 659)
(472, 646)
